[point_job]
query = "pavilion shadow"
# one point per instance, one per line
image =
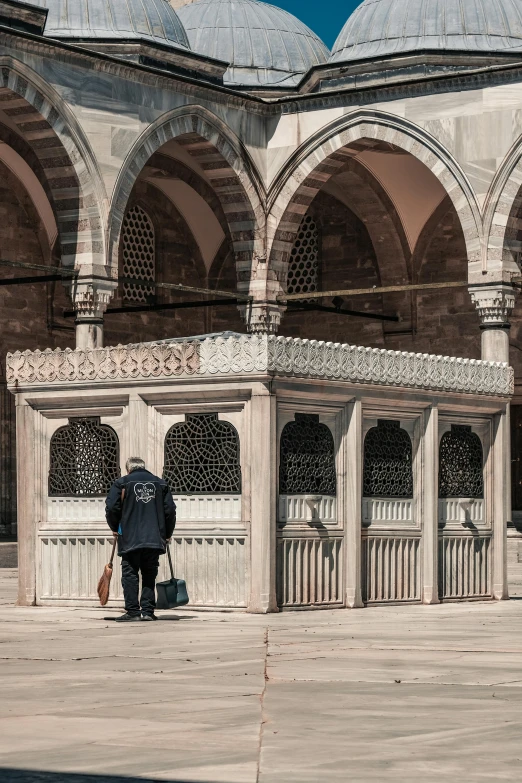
(10, 775)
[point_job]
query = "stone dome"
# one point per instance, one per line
(154, 21)
(265, 45)
(384, 27)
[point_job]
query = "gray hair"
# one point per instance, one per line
(134, 463)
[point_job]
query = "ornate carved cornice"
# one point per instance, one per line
(253, 355)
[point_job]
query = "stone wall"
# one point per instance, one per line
(32, 317)
(442, 321)
(178, 260)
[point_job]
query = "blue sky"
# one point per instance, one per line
(325, 17)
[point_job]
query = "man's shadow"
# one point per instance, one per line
(168, 617)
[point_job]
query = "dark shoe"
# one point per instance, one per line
(128, 618)
(148, 617)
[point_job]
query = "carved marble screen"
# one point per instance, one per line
(84, 459)
(388, 462)
(307, 458)
(391, 538)
(202, 456)
(464, 534)
(460, 464)
(309, 536)
(210, 543)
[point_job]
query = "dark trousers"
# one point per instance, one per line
(146, 561)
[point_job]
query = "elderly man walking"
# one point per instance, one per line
(141, 512)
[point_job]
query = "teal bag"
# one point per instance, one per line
(172, 593)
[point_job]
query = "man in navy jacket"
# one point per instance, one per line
(141, 512)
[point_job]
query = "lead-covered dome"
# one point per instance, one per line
(154, 21)
(384, 27)
(265, 45)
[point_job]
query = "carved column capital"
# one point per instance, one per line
(262, 317)
(91, 298)
(494, 304)
(264, 312)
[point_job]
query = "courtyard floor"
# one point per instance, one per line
(382, 694)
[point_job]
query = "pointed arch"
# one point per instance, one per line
(503, 216)
(73, 182)
(327, 152)
(227, 166)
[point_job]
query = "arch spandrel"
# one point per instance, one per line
(316, 162)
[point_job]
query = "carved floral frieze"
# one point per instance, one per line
(258, 354)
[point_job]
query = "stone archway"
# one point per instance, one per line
(228, 169)
(71, 177)
(316, 162)
(503, 218)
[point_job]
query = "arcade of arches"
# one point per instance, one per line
(163, 227)
(361, 230)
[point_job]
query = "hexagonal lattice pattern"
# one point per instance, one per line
(388, 463)
(202, 456)
(461, 473)
(137, 254)
(303, 269)
(84, 458)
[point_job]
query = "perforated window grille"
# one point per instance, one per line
(461, 464)
(303, 269)
(84, 458)
(137, 254)
(202, 457)
(388, 467)
(307, 458)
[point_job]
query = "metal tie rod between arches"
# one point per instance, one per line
(58, 272)
(386, 289)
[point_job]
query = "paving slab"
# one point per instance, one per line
(398, 693)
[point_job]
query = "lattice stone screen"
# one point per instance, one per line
(202, 456)
(461, 464)
(303, 269)
(307, 459)
(84, 458)
(137, 254)
(388, 467)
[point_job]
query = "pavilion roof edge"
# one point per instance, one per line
(233, 354)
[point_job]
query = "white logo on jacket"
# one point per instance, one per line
(145, 492)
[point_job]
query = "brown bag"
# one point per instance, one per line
(104, 585)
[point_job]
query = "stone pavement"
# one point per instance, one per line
(383, 694)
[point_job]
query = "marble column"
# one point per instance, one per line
(263, 313)
(139, 443)
(501, 502)
(90, 298)
(263, 488)
(353, 521)
(430, 505)
(495, 304)
(27, 515)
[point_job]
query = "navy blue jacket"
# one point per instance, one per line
(146, 516)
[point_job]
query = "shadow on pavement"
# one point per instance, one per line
(168, 617)
(10, 775)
